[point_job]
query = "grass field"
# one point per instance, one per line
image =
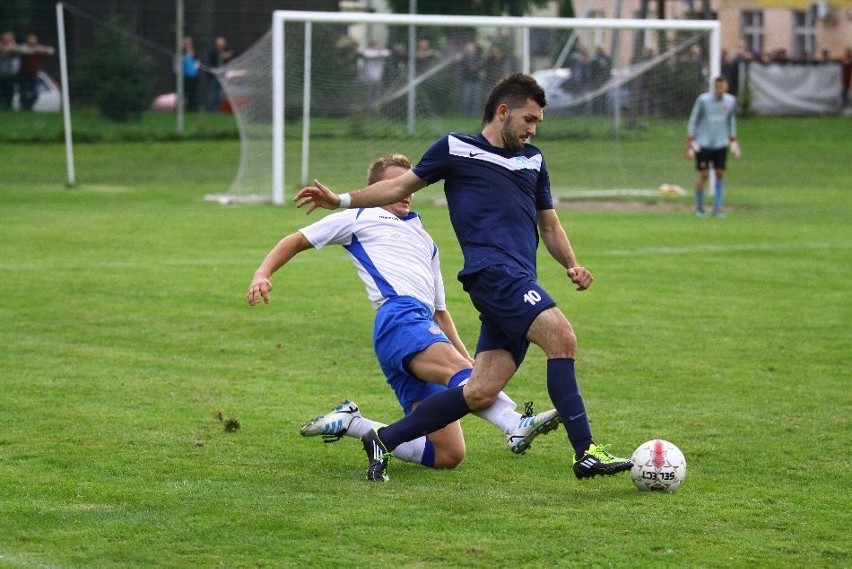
(126, 345)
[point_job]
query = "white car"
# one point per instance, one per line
(49, 95)
(563, 96)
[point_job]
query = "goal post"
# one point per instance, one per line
(320, 85)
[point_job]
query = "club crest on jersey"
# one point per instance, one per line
(521, 161)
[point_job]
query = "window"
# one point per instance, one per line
(803, 35)
(751, 28)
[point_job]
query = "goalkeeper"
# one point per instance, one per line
(711, 131)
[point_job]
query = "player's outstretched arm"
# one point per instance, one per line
(285, 250)
(445, 321)
(380, 193)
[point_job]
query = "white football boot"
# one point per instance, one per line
(332, 426)
(530, 426)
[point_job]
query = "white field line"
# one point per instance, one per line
(53, 265)
(744, 248)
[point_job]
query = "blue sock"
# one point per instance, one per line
(433, 413)
(428, 459)
(565, 394)
(717, 197)
(699, 200)
(459, 377)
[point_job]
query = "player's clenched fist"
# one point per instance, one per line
(581, 277)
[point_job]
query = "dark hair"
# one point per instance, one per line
(379, 165)
(514, 90)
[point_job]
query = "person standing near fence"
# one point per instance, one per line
(10, 61)
(191, 66)
(710, 132)
(218, 56)
(845, 78)
(31, 53)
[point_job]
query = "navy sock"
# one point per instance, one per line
(565, 394)
(433, 413)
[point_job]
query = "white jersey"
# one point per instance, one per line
(394, 256)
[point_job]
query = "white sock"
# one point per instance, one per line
(411, 451)
(502, 414)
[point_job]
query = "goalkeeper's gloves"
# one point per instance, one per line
(735, 147)
(692, 148)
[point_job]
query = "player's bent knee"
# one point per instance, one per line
(478, 400)
(449, 457)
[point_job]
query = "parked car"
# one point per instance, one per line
(240, 93)
(565, 96)
(49, 95)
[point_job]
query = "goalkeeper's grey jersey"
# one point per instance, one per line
(712, 123)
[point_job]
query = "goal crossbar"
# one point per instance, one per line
(524, 24)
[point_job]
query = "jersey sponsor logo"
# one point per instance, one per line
(435, 330)
(472, 154)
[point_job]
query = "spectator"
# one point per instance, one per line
(471, 80)
(31, 53)
(191, 66)
(218, 56)
(373, 71)
(496, 65)
(846, 76)
(730, 71)
(425, 56)
(10, 62)
(397, 63)
(347, 57)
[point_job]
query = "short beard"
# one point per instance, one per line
(510, 140)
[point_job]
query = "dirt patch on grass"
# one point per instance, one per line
(622, 205)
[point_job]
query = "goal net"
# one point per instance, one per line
(323, 94)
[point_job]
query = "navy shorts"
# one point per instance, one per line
(706, 156)
(403, 328)
(508, 300)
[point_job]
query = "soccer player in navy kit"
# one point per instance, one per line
(414, 336)
(498, 194)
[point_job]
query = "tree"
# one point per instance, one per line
(116, 75)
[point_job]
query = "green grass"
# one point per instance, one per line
(88, 125)
(125, 342)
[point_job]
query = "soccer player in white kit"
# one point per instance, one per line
(415, 339)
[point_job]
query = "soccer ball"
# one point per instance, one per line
(658, 465)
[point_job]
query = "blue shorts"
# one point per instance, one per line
(404, 327)
(508, 300)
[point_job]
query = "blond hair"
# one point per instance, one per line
(378, 167)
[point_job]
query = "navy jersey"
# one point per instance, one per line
(494, 196)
